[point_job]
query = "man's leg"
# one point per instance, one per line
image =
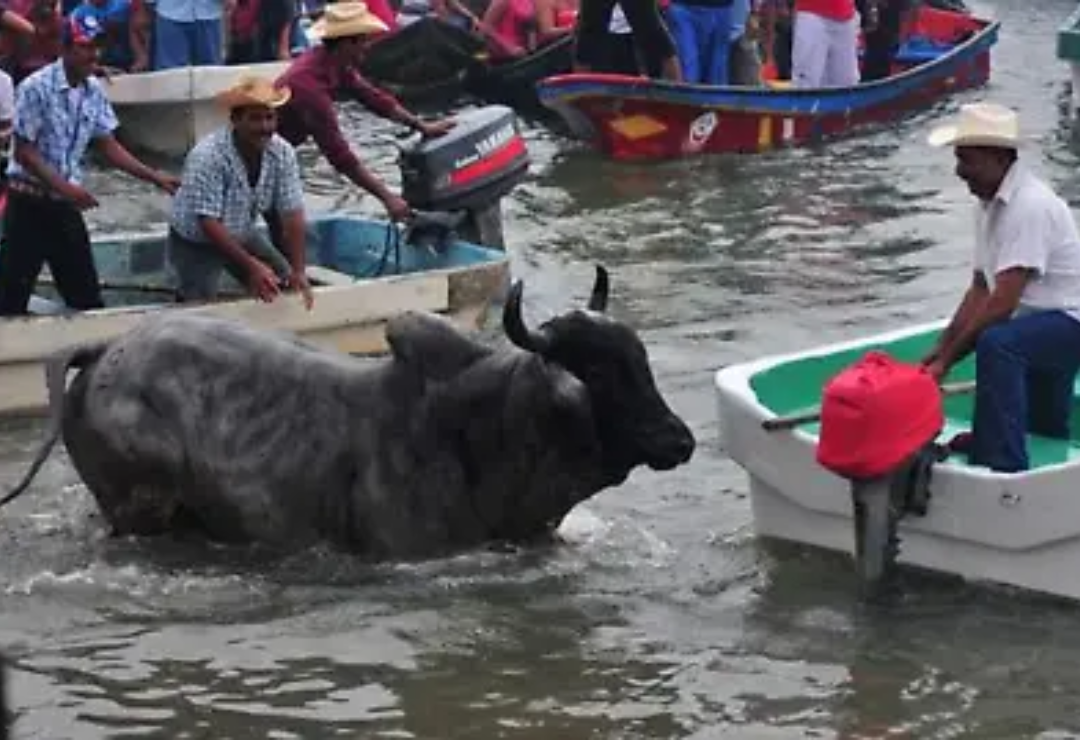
(207, 43)
(197, 268)
(171, 48)
(22, 254)
(809, 51)
(1005, 354)
(842, 62)
(71, 259)
(684, 27)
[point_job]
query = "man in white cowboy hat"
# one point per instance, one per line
(230, 178)
(329, 70)
(1021, 312)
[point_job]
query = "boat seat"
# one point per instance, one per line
(319, 275)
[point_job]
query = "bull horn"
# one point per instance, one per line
(598, 299)
(515, 327)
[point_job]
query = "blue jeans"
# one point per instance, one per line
(184, 43)
(703, 39)
(1025, 370)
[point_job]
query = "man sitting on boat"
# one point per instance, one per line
(1021, 313)
(329, 69)
(825, 49)
(59, 111)
(231, 177)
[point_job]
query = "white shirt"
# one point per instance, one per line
(1028, 225)
(618, 24)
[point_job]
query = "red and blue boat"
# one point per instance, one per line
(638, 118)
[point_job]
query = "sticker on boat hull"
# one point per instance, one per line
(701, 128)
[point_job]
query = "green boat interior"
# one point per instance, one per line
(796, 386)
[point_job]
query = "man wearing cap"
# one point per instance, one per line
(231, 177)
(1021, 312)
(319, 74)
(60, 110)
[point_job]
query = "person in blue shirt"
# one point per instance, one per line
(114, 16)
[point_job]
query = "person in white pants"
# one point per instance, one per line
(825, 49)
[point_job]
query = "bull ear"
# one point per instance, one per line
(515, 327)
(598, 299)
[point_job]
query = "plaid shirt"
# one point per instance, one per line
(215, 184)
(60, 120)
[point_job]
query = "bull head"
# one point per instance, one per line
(539, 341)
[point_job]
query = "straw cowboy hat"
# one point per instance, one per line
(254, 91)
(980, 124)
(351, 18)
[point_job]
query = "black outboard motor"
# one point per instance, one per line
(457, 181)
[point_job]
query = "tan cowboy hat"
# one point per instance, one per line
(350, 18)
(254, 91)
(980, 124)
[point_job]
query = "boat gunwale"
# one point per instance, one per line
(552, 91)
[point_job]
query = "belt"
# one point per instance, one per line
(25, 187)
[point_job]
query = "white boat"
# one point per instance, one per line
(1019, 529)
(167, 111)
(363, 278)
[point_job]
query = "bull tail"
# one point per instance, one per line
(56, 370)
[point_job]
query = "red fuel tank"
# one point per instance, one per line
(875, 414)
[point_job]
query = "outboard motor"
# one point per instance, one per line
(456, 182)
(879, 419)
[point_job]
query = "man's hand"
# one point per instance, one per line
(79, 196)
(434, 129)
(169, 183)
(937, 370)
(298, 281)
(262, 281)
(397, 208)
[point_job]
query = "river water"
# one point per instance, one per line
(659, 615)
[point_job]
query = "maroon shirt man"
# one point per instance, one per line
(327, 71)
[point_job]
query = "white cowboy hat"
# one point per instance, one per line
(254, 91)
(351, 18)
(980, 124)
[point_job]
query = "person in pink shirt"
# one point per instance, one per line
(825, 50)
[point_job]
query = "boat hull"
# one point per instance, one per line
(638, 118)
(168, 111)
(514, 83)
(1022, 530)
(348, 316)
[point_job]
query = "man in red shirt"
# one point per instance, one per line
(825, 50)
(330, 69)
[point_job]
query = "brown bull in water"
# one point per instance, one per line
(190, 422)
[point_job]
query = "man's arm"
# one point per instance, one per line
(321, 121)
(386, 105)
(124, 161)
(998, 306)
(971, 304)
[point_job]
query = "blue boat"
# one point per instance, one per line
(637, 118)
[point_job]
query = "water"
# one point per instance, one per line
(660, 616)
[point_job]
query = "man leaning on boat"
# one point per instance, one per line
(319, 74)
(1021, 312)
(231, 178)
(59, 111)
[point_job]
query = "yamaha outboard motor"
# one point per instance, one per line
(879, 420)
(456, 182)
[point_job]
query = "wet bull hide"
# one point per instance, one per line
(194, 423)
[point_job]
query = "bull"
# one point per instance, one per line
(191, 423)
